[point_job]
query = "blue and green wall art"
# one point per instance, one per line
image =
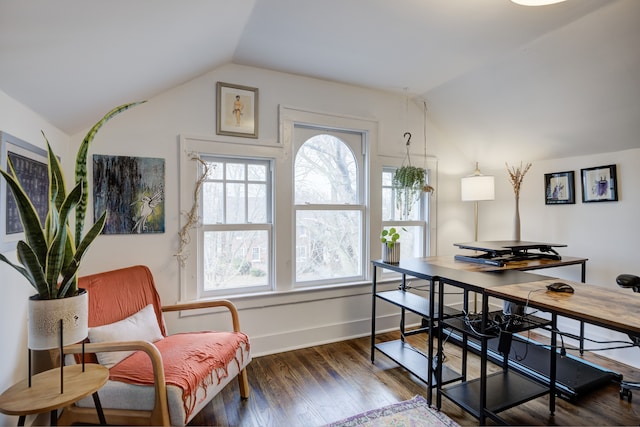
(131, 190)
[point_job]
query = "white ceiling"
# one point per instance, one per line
(563, 79)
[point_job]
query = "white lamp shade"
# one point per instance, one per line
(477, 187)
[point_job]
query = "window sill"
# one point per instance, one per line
(295, 296)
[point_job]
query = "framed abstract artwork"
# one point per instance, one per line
(30, 164)
(131, 190)
(599, 184)
(237, 110)
(559, 188)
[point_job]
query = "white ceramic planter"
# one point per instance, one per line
(391, 255)
(44, 321)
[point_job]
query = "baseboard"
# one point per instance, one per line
(324, 334)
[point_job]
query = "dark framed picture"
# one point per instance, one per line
(30, 163)
(559, 188)
(237, 110)
(599, 184)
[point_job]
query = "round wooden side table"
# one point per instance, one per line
(44, 394)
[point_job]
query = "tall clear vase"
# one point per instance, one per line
(516, 222)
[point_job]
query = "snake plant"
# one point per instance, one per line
(50, 255)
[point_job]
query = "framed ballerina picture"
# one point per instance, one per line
(237, 110)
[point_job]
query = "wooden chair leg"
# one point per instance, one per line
(243, 380)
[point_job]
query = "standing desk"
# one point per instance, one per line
(471, 277)
(606, 307)
(418, 363)
(508, 388)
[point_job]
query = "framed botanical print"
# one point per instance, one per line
(599, 184)
(559, 188)
(237, 110)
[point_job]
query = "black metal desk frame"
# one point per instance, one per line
(471, 395)
(413, 360)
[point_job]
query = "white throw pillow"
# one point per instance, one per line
(141, 326)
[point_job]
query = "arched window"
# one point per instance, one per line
(329, 207)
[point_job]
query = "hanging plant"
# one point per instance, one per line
(409, 183)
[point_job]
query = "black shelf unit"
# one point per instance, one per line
(508, 389)
(417, 362)
(574, 376)
(415, 303)
(522, 324)
(489, 395)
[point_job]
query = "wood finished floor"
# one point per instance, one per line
(317, 385)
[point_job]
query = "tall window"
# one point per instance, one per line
(413, 229)
(236, 226)
(328, 207)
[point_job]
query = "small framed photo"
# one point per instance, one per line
(599, 184)
(237, 110)
(559, 188)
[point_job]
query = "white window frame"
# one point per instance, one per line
(246, 226)
(359, 151)
(192, 149)
(421, 206)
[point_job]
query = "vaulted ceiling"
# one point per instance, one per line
(561, 80)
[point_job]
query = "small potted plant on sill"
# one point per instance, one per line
(390, 245)
(50, 253)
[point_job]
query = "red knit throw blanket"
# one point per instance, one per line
(189, 359)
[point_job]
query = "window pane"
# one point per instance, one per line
(235, 171)
(400, 209)
(387, 179)
(331, 244)
(325, 172)
(235, 204)
(214, 170)
(387, 204)
(212, 203)
(257, 173)
(411, 240)
(257, 203)
(235, 259)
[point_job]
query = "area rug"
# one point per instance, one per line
(410, 413)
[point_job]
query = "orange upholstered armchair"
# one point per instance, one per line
(154, 378)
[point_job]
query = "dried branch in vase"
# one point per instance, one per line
(517, 175)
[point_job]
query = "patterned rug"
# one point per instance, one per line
(410, 413)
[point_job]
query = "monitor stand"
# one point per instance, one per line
(498, 253)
